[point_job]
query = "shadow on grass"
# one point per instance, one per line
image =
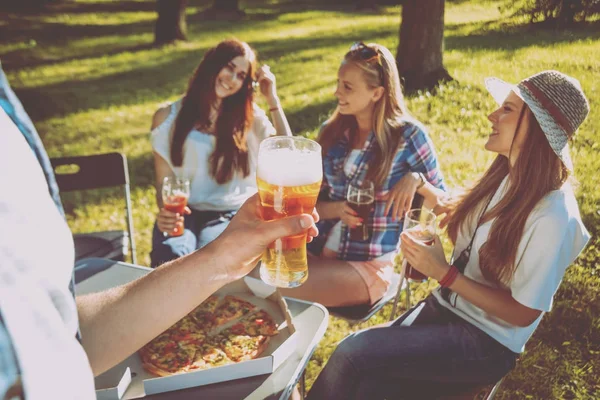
(511, 37)
(310, 116)
(71, 7)
(29, 27)
(154, 81)
(17, 59)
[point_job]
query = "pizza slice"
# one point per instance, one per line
(175, 358)
(257, 324)
(156, 345)
(242, 347)
(183, 327)
(203, 315)
(232, 308)
(209, 355)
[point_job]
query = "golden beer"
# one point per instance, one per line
(289, 178)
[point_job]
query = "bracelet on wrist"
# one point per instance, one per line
(275, 108)
(450, 277)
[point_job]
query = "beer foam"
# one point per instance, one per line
(287, 167)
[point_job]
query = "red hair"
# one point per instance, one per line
(234, 120)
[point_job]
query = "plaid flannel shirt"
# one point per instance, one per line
(416, 154)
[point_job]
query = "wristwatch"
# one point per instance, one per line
(423, 180)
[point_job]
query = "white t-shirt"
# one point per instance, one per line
(36, 264)
(553, 237)
(206, 194)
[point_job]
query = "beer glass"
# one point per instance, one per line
(288, 177)
(419, 224)
(175, 194)
(360, 198)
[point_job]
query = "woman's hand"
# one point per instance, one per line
(267, 85)
(339, 210)
(429, 260)
(400, 198)
(168, 221)
(348, 215)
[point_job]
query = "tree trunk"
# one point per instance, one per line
(170, 24)
(566, 13)
(420, 52)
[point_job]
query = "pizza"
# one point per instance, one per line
(205, 338)
(260, 323)
(232, 308)
(203, 315)
(242, 347)
(210, 355)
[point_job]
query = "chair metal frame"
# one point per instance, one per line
(97, 171)
(363, 312)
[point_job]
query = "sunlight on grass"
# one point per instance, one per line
(89, 77)
(106, 18)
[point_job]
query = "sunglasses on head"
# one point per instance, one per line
(365, 52)
(369, 55)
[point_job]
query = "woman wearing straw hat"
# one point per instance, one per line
(515, 233)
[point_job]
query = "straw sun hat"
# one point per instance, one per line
(557, 102)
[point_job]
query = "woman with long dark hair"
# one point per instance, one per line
(211, 136)
(369, 137)
(514, 234)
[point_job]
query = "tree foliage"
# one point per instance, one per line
(560, 13)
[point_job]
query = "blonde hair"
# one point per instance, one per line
(388, 113)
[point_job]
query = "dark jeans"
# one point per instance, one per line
(201, 228)
(438, 354)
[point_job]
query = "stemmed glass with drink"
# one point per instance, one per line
(360, 198)
(288, 176)
(175, 195)
(420, 225)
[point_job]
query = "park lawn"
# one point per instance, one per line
(91, 81)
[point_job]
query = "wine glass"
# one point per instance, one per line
(175, 195)
(361, 198)
(420, 225)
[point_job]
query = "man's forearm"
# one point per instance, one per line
(117, 322)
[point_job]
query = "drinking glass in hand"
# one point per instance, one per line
(175, 194)
(360, 198)
(419, 224)
(288, 176)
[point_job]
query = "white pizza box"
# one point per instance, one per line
(128, 380)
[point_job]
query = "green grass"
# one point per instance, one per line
(90, 79)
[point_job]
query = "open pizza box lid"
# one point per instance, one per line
(128, 380)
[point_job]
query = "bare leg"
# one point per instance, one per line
(332, 283)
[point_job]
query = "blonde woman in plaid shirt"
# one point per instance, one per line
(369, 136)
